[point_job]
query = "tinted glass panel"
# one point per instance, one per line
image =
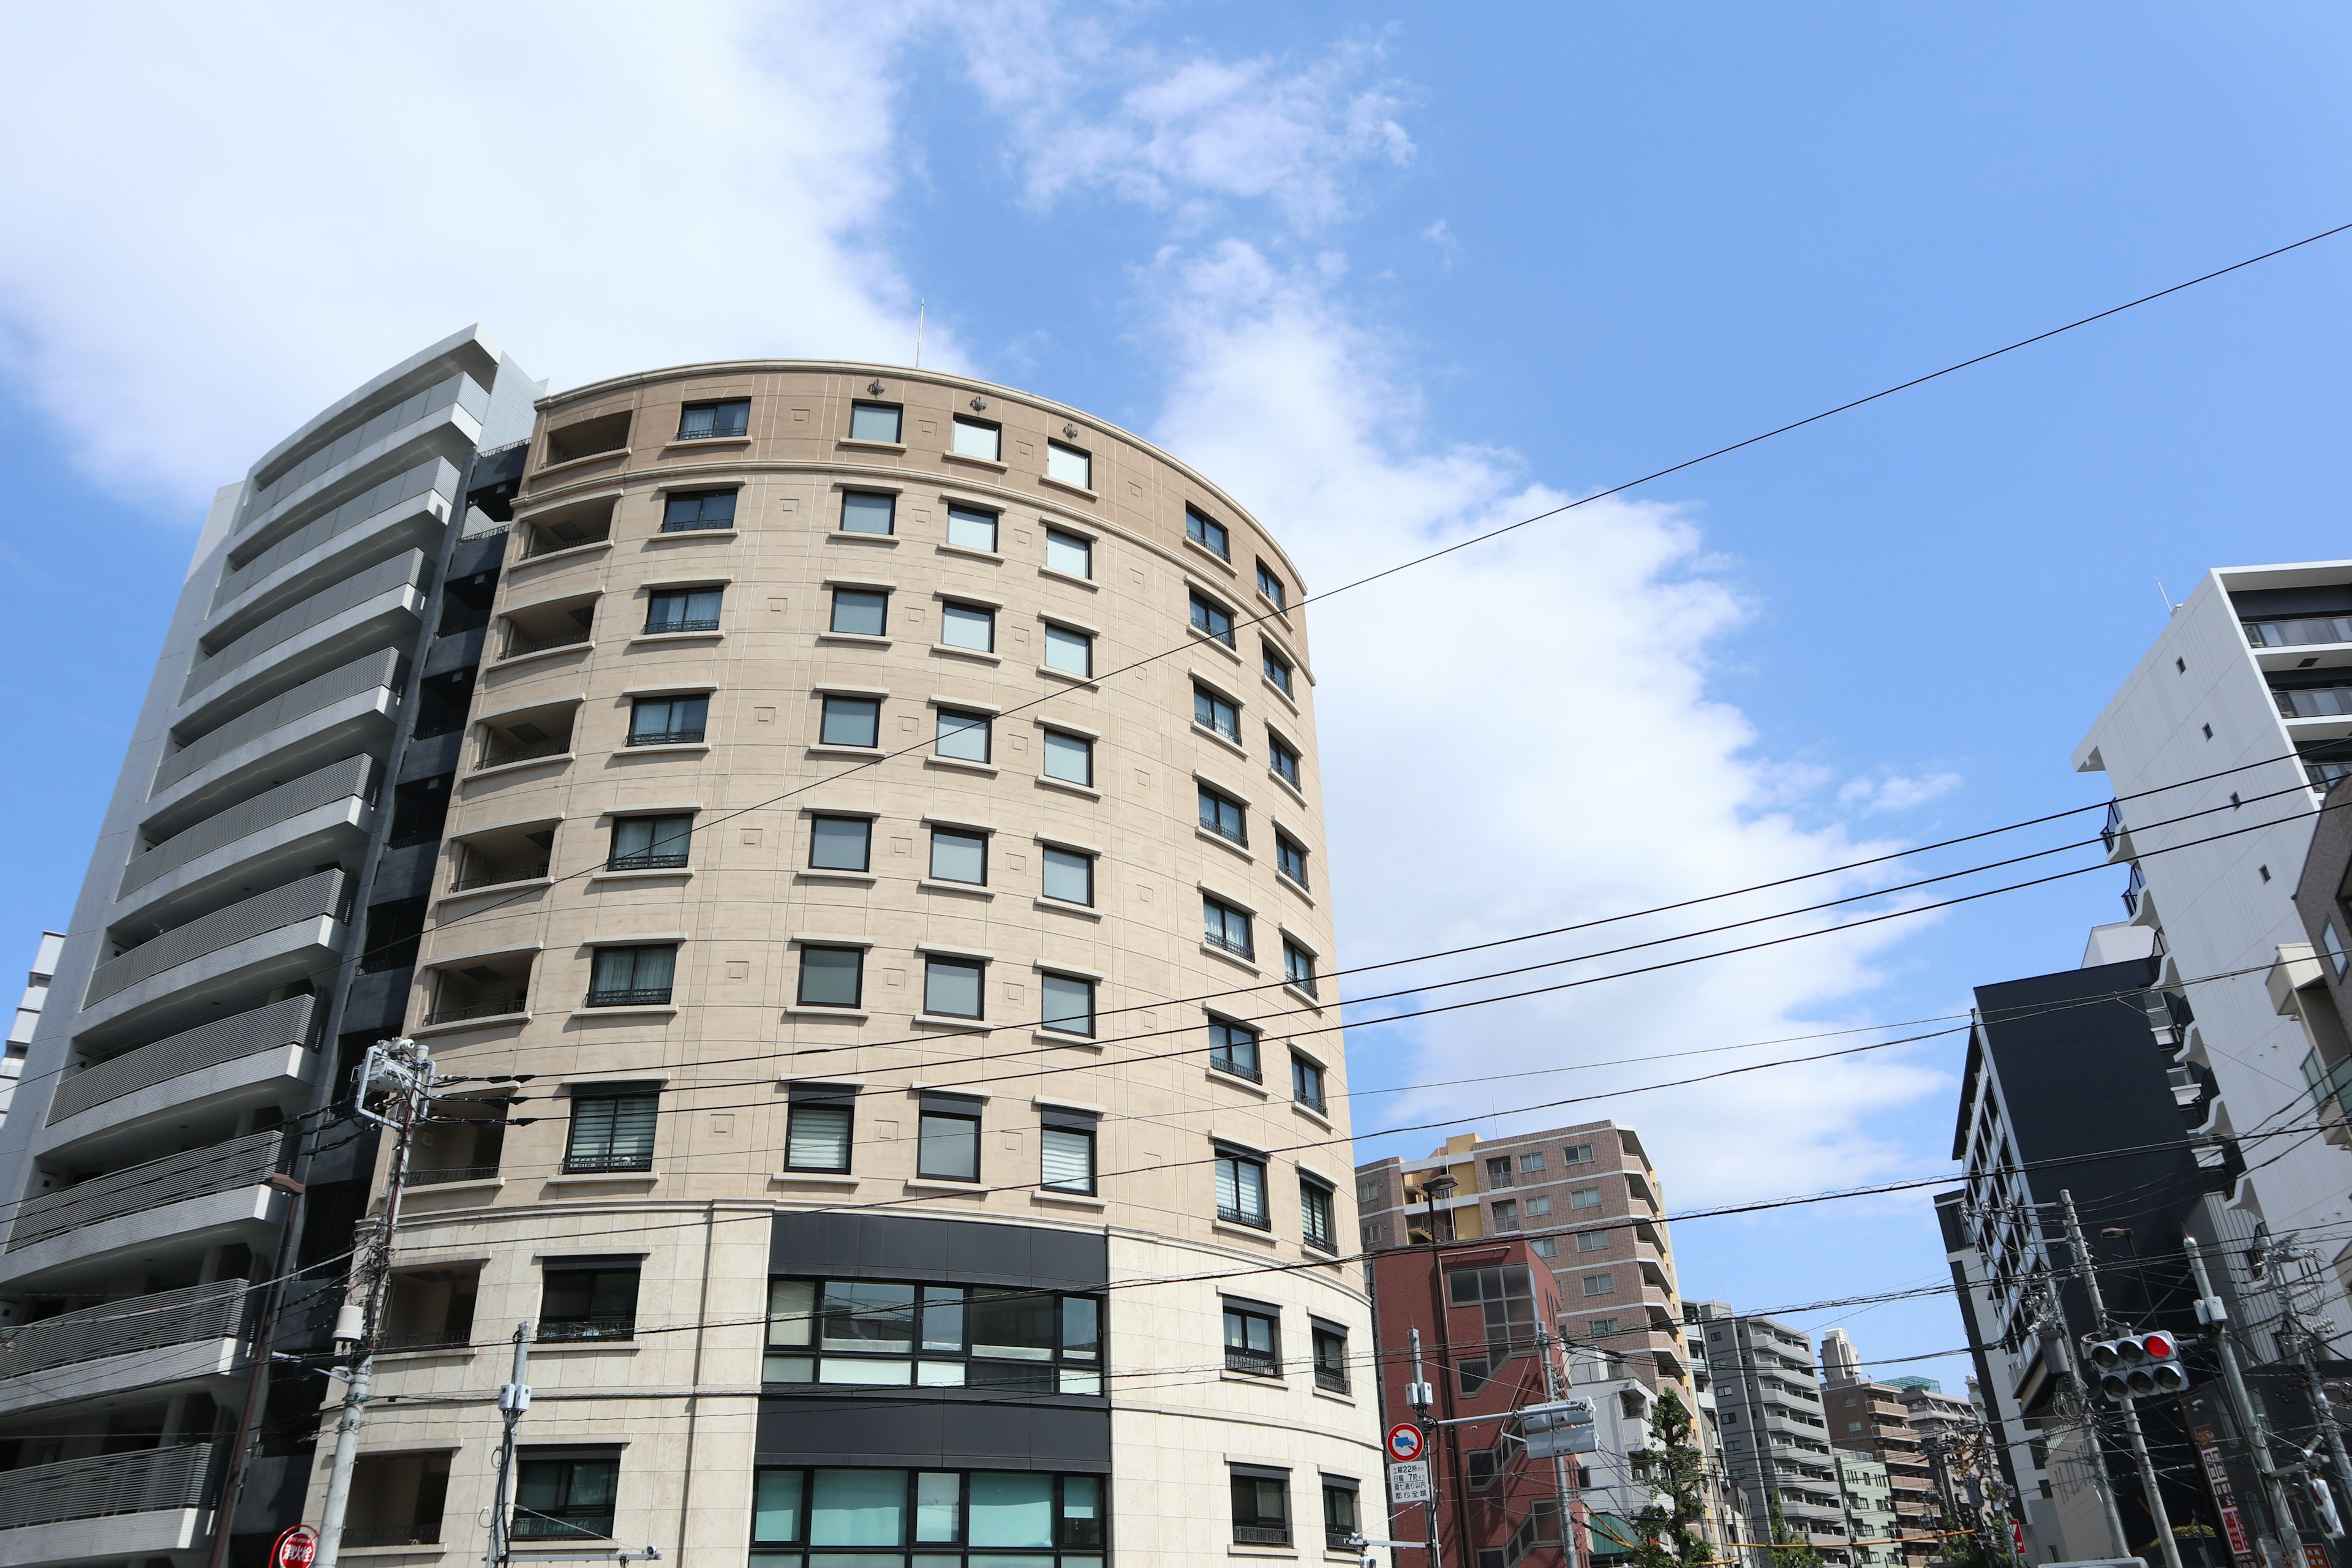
(840, 843)
(873, 422)
(862, 512)
(860, 612)
(1070, 758)
(1069, 876)
(1070, 552)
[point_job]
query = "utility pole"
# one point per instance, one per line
(2211, 1308)
(1421, 1396)
(2155, 1511)
(404, 1069)
(2302, 1340)
(514, 1398)
(1556, 1388)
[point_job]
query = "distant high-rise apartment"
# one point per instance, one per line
(1776, 1434)
(1872, 1527)
(1841, 1362)
(28, 1014)
(1870, 1420)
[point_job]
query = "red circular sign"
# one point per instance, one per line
(298, 1548)
(1404, 1441)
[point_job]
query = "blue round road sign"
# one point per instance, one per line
(1404, 1441)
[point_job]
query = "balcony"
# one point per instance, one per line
(287, 933)
(631, 996)
(498, 1004)
(198, 1197)
(2314, 702)
(231, 1064)
(2331, 1094)
(567, 528)
(539, 733)
(394, 427)
(2298, 632)
(587, 1330)
(172, 1337)
(151, 1498)
(319, 818)
(499, 877)
(311, 638)
(348, 708)
(407, 511)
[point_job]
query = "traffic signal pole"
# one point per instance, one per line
(2242, 1404)
(2155, 1511)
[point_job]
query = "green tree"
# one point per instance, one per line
(1791, 1550)
(1665, 1533)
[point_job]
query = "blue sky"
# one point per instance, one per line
(1392, 276)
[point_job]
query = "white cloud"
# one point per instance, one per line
(1896, 792)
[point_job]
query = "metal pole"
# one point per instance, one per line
(2242, 1404)
(1428, 1430)
(2317, 1389)
(2156, 1510)
(513, 1400)
(1556, 1387)
(265, 1322)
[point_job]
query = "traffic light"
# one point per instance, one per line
(2137, 1365)
(1563, 1426)
(2323, 1507)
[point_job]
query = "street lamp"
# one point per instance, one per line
(1437, 1185)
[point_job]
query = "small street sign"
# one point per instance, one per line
(1408, 1482)
(1404, 1441)
(297, 1548)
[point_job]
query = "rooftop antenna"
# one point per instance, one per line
(921, 305)
(2169, 606)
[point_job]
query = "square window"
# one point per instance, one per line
(1538, 1206)
(1278, 669)
(1283, 758)
(851, 722)
(951, 986)
(1306, 1082)
(669, 720)
(1601, 1327)
(566, 1497)
(948, 1148)
(964, 736)
(649, 843)
(1213, 711)
(1506, 1214)
(1213, 619)
(860, 612)
(970, 626)
(609, 1132)
(875, 422)
(1578, 1154)
(978, 439)
(1073, 553)
(833, 977)
(1253, 1341)
(1545, 1247)
(841, 843)
(959, 855)
(691, 511)
(1232, 1047)
(714, 421)
(1071, 652)
(1223, 816)
(1069, 466)
(1341, 1522)
(1068, 1004)
(1600, 1284)
(1584, 1197)
(1205, 531)
(1068, 1154)
(2333, 945)
(868, 511)
(1067, 757)
(1241, 1188)
(682, 610)
(1270, 586)
(1068, 876)
(1316, 1225)
(1224, 926)
(1290, 858)
(972, 529)
(816, 1132)
(1297, 966)
(632, 976)
(1533, 1161)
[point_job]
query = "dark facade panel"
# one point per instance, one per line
(432, 756)
(965, 1252)
(889, 1430)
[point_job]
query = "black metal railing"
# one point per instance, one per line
(647, 860)
(452, 1174)
(684, 737)
(493, 757)
(543, 543)
(423, 1339)
(1236, 1065)
(627, 1161)
(517, 648)
(584, 1331)
(1238, 947)
(1257, 1363)
(695, 524)
(1261, 1536)
(415, 836)
(695, 623)
(634, 996)
(1236, 1216)
(1334, 1378)
(570, 1524)
(420, 1533)
(400, 953)
(473, 880)
(485, 1008)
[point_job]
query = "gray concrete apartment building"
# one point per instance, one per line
(1775, 1438)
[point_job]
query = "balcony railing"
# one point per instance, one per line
(696, 624)
(2134, 885)
(580, 1331)
(648, 860)
(270, 1028)
(313, 898)
(2331, 1086)
(1257, 1363)
(1239, 947)
(148, 1481)
(452, 1174)
(636, 996)
(245, 1162)
(691, 736)
(496, 756)
(424, 1339)
(2324, 776)
(480, 1008)
(423, 1534)
(517, 648)
(695, 524)
(2299, 633)
(1334, 1378)
(373, 672)
(2113, 828)
(498, 878)
(1261, 1536)
(181, 1317)
(586, 1165)
(1240, 1067)
(2314, 702)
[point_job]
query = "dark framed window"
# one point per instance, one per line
(952, 986)
(1282, 757)
(565, 1494)
(1069, 466)
(1225, 926)
(972, 627)
(1317, 1225)
(1206, 532)
(713, 421)
(972, 529)
(964, 736)
(1499, 1172)
(1507, 1298)
(1261, 1506)
(1212, 711)
(1073, 553)
(683, 610)
(669, 720)
(1341, 1521)
(860, 612)
(1253, 1339)
(1068, 876)
(1223, 816)
(868, 511)
(1290, 858)
(841, 843)
(587, 1299)
(632, 976)
(1278, 669)
(1506, 1215)
(1067, 1142)
(1271, 587)
(947, 1144)
(691, 511)
(1213, 619)
(818, 1125)
(1069, 650)
(1066, 1003)
(1577, 1154)
(980, 438)
(832, 976)
(1297, 966)
(926, 1519)
(1067, 757)
(650, 843)
(1306, 1082)
(960, 854)
(875, 422)
(851, 722)
(1241, 1188)
(1330, 1357)
(1232, 1047)
(609, 1131)
(879, 1334)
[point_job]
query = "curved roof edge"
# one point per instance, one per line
(453, 347)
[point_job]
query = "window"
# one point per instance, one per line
(1506, 1296)
(1271, 587)
(832, 977)
(714, 421)
(1226, 927)
(1223, 816)
(964, 736)
(1253, 1339)
(1307, 1086)
(1241, 1188)
(1278, 669)
(926, 1509)
(1506, 1215)
(948, 1146)
(1601, 1327)
(1067, 757)
(1067, 1144)
(1068, 876)
(1577, 1154)
(978, 439)
(1545, 1247)
(1533, 1161)
(1069, 552)
(669, 720)
(1071, 652)
(565, 1495)
(649, 843)
(588, 1299)
(691, 511)
(632, 976)
(1213, 619)
(875, 422)
(971, 627)
(2333, 946)
(1069, 466)
(1206, 533)
(1290, 858)
(1341, 1520)
(951, 986)
(1233, 1048)
(1283, 758)
(1373, 1233)
(868, 511)
(851, 722)
(841, 843)
(1211, 711)
(876, 1334)
(817, 1132)
(860, 612)
(969, 528)
(1330, 1357)
(1538, 1206)
(959, 855)
(1584, 1197)
(1371, 1192)
(1600, 1285)
(1297, 966)
(1066, 1003)
(1316, 1226)
(610, 1131)
(683, 610)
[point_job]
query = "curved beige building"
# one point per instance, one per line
(930, 1142)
